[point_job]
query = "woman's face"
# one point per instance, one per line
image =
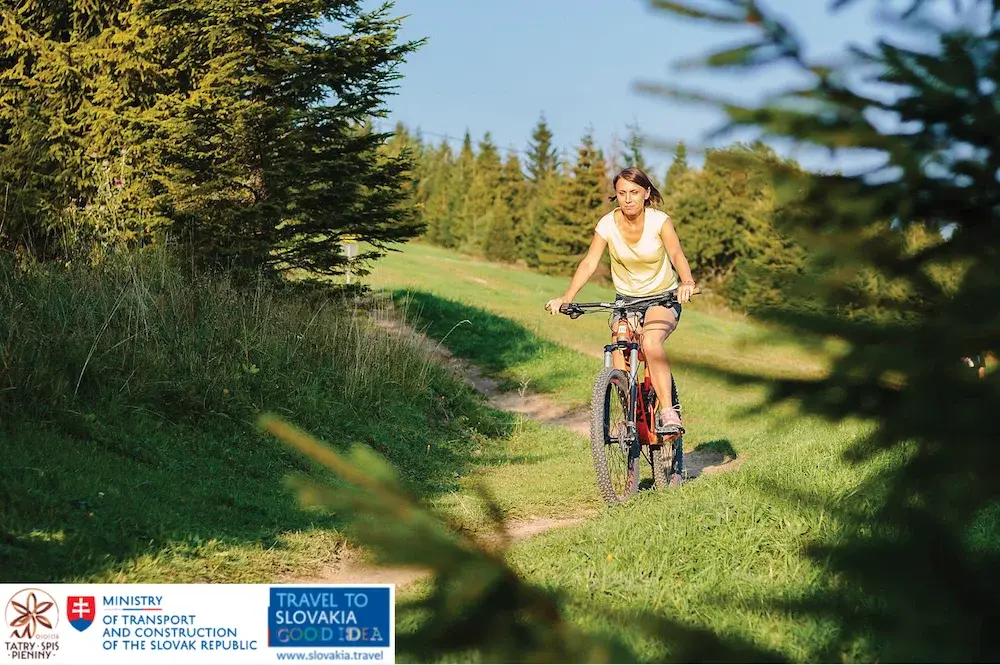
(631, 197)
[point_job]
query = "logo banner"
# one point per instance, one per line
(237, 624)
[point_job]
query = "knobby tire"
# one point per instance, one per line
(617, 470)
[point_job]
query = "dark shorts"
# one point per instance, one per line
(676, 306)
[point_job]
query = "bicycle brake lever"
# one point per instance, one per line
(571, 310)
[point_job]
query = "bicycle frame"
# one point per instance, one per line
(624, 340)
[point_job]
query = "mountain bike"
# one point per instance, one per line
(622, 410)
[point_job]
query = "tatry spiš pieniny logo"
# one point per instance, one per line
(30, 612)
(32, 616)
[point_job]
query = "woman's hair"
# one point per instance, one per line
(635, 175)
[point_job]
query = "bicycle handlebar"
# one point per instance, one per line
(576, 309)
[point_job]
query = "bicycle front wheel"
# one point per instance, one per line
(614, 448)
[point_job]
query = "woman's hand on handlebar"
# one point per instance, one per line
(554, 304)
(685, 291)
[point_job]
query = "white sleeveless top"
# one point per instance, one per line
(642, 269)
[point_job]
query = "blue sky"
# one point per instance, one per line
(497, 65)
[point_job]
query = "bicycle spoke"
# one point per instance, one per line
(617, 446)
(611, 440)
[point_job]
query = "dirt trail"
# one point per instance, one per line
(351, 566)
(539, 407)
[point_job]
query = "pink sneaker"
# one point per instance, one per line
(668, 423)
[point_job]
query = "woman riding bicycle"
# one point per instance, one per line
(646, 260)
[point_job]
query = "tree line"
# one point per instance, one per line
(542, 212)
(245, 136)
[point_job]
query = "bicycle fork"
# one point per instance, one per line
(633, 383)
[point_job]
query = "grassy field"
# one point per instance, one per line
(128, 401)
(740, 554)
(716, 340)
(129, 397)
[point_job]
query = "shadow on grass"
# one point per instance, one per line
(721, 448)
(86, 495)
(709, 457)
(914, 561)
(898, 585)
(496, 344)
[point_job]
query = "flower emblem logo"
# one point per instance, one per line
(29, 611)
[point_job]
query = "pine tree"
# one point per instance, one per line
(542, 155)
(582, 199)
(724, 215)
(543, 177)
(634, 144)
(80, 85)
(930, 452)
(677, 169)
(459, 182)
(404, 146)
(539, 212)
(481, 201)
(505, 233)
(303, 166)
(433, 194)
(243, 128)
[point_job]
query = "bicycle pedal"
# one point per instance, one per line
(670, 432)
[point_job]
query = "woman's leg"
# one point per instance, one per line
(659, 324)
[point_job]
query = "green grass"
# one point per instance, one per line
(129, 396)
(539, 471)
(703, 339)
(501, 346)
(745, 555)
(726, 553)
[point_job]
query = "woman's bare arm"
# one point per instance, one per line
(588, 265)
(673, 246)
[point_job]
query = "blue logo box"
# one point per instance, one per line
(328, 617)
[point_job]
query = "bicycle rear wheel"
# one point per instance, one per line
(614, 448)
(667, 460)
